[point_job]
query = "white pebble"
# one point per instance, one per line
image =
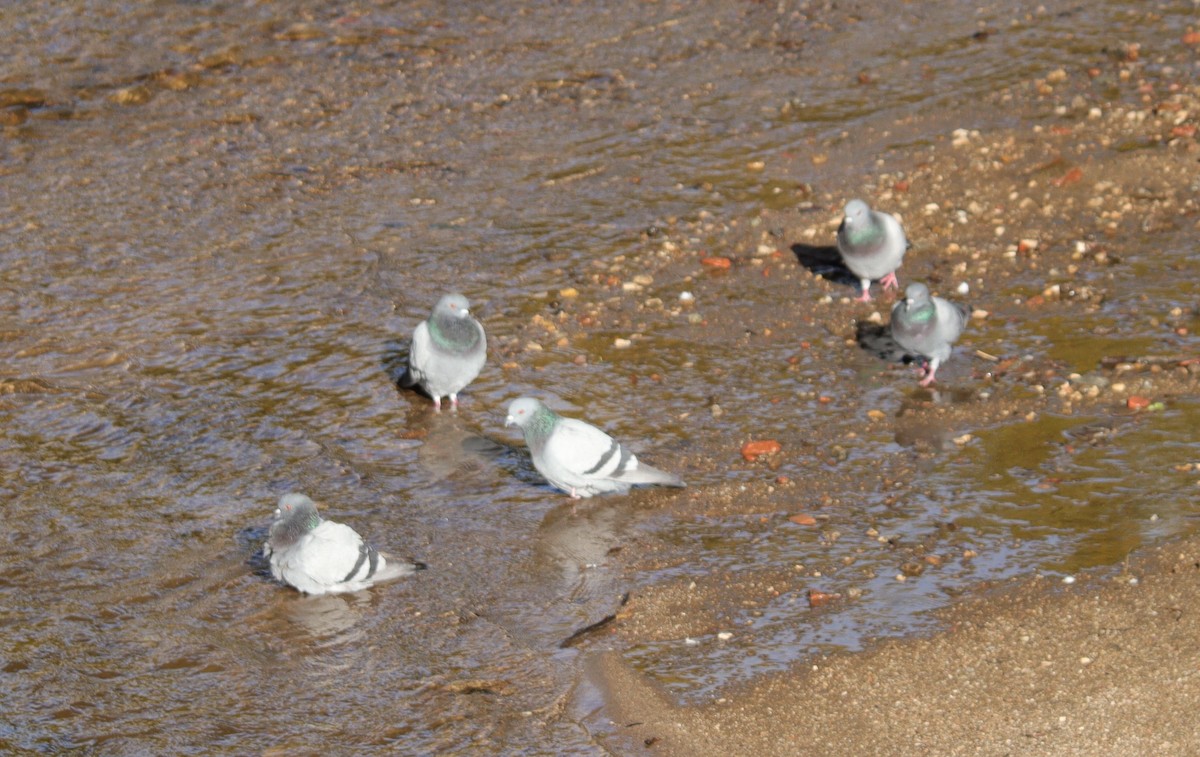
(1068, 579)
(687, 297)
(620, 343)
(725, 636)
(964, 288)
(690, 641)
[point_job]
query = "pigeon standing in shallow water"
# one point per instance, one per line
(872, 245)
(319, 556)
(577, 457)
(447, 351)
(927, 326)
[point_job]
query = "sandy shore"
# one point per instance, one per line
(1097, 667)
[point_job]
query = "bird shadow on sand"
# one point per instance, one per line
(825, 261)
(878, 341)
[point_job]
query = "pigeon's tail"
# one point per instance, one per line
(396, 568)
(644, 474)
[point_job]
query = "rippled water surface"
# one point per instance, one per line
(221, 222)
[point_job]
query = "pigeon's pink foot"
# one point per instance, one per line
(454, 402)
(437, 404)
(574, 495)
(929, 377)
(864, 297)
(890, 281)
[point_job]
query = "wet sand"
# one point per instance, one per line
(1103, 666)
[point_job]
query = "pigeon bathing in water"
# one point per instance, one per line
(577, 457)
(872, 245)
(447, 351)
(319, 556)
(927, 326)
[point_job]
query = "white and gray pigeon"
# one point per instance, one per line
(319, 556)
(872, 244)
(577, 457)
(447, 352)
(927, 326)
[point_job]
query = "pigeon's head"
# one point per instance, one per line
(521, 411)
(453, 305)
(916, 295)
(856, 211)
(296, 507)
(295, 516)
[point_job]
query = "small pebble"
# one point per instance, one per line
(621, 344)
(1068, 579)
(964, 288)
(725, 636)
(687, 297)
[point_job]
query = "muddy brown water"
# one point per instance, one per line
(221, 222)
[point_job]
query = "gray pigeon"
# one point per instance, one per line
(577, 457)
(872, 245)
(447, 351)
(319, 556)
(927, 326)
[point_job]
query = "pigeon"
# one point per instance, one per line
(872, 245)
(319, 556)
(447, 352)
(927, 326)
(577, 457)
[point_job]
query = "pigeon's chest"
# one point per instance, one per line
(915, 333)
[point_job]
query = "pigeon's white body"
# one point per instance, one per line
(579, 458)
(325, 558)
(872, 244)
(928, 326)
(447, 352)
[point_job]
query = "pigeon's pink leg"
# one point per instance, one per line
(890, 281)
(574, 495)
(437, 404)
(933, 366)
(454, 402)
(866, 291)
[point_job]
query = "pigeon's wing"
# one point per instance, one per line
(584, 450)
(329, 554)
(952, 317)
(420, 354)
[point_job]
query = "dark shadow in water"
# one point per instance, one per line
(825, 261)
(251, 540)
(394, 362)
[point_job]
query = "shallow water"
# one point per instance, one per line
(206, 295)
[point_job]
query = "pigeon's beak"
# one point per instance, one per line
(508, 421)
